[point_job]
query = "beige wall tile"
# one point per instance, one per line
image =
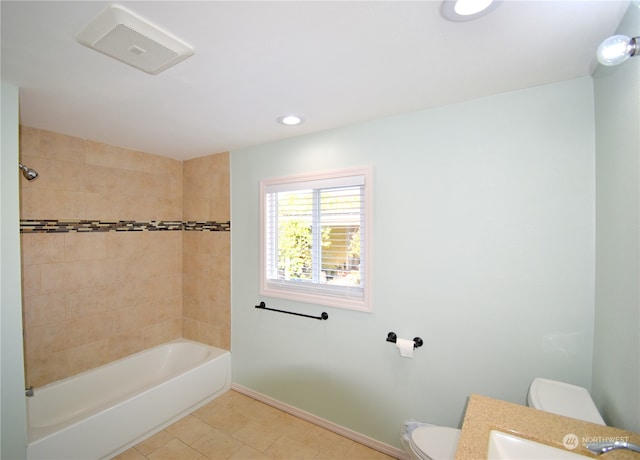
(196, 176)
(125, 344)
(168, 209)
(42, 310)
(90, 298)
(206, 188)
(88, 302)
(45, 370)
(55, 173)
(29, 141)
(141, 162)
(100, 154)
(120, 295)
(104, 296)
(51, 204)
(41, 248)
(220, 209)
(88, 329)
(154, 335)
(143, 183)
(195, 209)
(189, 328)
(61, 147)
(206, 282)
(84, 274)
(31, 284)
(173, 171)
(85, 246)
(101, 179)
(170, 309)
(53, 278)
(43, 341)
(102, 207)
(88, 356)
(225, 337)
(123, 245)
(175, 328)
(110, 182)
(162, 332)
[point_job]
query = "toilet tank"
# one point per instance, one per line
(563, 399)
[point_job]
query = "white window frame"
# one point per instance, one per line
(357, 298)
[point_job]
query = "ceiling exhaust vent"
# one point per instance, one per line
(126, 37)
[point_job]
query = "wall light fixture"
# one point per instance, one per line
(617, 49)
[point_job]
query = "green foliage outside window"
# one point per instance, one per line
(295, 243)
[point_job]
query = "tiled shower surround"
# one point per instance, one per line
(121, 250)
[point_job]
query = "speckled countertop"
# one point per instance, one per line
(484, 414)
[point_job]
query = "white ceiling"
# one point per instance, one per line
(333, 62)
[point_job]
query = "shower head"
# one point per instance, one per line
(27, 172)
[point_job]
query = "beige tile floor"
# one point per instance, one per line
(237, 427)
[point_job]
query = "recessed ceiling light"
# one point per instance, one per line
(467, 10)
(290, 120)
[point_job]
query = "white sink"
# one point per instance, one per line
(504, 446)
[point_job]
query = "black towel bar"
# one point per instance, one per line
(263, 306)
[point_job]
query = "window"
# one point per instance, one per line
(316, 238)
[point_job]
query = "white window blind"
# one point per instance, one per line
(316, 237)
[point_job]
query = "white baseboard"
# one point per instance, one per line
(342, 431)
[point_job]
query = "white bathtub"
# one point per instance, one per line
(102, 412)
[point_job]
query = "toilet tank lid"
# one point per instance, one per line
(563, 399)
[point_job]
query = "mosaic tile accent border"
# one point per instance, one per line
(84, 226)
(210, 226)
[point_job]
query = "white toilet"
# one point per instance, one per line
(432, 442)
(563, 399)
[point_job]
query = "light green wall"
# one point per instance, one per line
(13, 423)
(484, 247)
(616, 363)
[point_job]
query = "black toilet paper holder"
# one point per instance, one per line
(392, 337)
